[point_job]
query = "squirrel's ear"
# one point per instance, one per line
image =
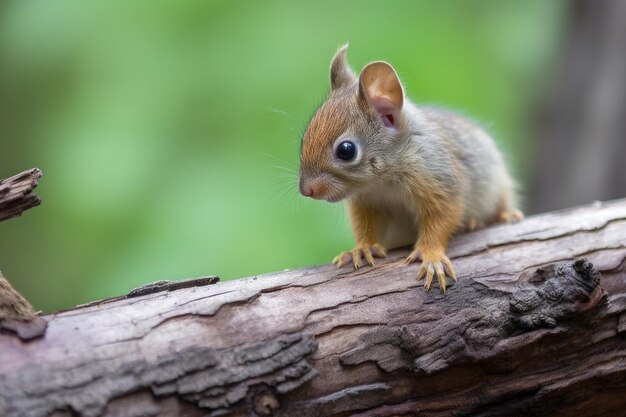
(380, 86)
(340, 73)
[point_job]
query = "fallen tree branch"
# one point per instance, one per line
(529, 329)
(16, 193)
(17, 316)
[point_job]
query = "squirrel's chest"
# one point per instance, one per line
(390, 198)
(396, 214)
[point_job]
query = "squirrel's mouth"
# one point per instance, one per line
(321, 187)
(335, 195)
(333, 198)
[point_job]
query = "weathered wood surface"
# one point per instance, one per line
(16, 193)
(517, 335)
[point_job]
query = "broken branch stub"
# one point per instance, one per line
(16, 193)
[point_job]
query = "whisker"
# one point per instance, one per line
(289, 170)
(272, 156)
(284, 185)
(281, 112)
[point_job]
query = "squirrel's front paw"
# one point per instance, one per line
(367, 252)
(441, 267)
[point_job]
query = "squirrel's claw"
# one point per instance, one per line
(380, 251)
(414, 256)
(367, 252)
(339, 259)
(439, 268)
(447, 267)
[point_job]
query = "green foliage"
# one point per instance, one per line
(168, 132)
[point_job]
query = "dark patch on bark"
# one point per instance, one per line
(213, 380)
(573, 289)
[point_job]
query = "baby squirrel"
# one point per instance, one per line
(410, 174)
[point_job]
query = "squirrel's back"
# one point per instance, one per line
(472, 161)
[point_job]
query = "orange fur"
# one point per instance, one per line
(328, 122)
(438, 220)
(363, 220)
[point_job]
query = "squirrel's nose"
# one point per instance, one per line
(308, 189)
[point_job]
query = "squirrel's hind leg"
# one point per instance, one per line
(510, 216)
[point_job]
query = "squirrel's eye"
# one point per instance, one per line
(346, 150)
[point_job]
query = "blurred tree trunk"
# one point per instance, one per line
(581, 142)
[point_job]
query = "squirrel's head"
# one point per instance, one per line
(352, 136)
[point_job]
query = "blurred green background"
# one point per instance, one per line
(168, 131)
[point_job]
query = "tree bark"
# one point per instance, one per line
(530, 328)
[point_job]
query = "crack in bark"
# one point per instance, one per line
(518, 242)
(346, 326)
(340, 401)
(355, 301)
(529, 270)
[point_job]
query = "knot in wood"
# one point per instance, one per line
(264, 401)
(572, 288)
